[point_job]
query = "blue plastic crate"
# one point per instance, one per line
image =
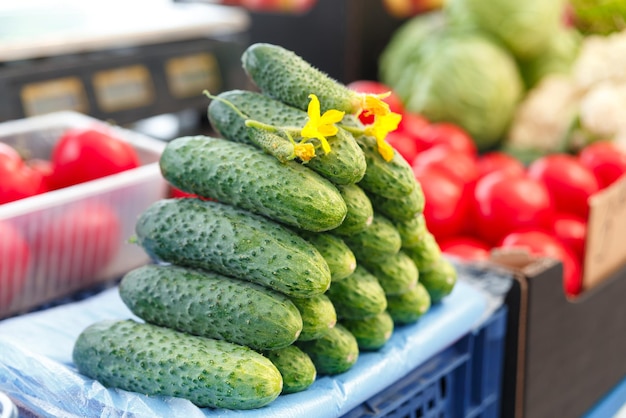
(464, 380)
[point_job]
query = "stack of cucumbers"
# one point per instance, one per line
(282, 268)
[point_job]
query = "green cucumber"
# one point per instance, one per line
(371, 333)
(286, 76)
(403, 209)
(425, 253)
(380, 240)
(410, 306)
(295, 366)
(412, 231)
(211, 305)
(440, 279)
(338, 255)
(360, 212)
(318, 316)
(153, 360)
(246, 177)
(345, 164)
(233, 242)
(391, 179)
(397, 273)
(334, 353)
(358, 296)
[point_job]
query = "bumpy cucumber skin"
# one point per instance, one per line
(425, 253)
(246, 177)
(391, 179)
(153, 360)
(318, 316)
(338, 255)
(334, 353)
(380, 240)
(403, 209)
(285, 76)
(440, 279)
(295, 366)
(371, 333)
(396, 274)
(408, 307)
(412, 231)
(360, 212)
(233, 242)
(211, 305)
(345, 164)
(358, 296)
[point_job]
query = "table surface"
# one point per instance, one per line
(40, 28)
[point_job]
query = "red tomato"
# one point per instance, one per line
(498, 161)
(376, 87)
(176, 193)
(570, 183)
(17, 180)
(87, 154)
(9, 155)
(458, 164)
(446, 203)
(404, 144)
(571, 230)
(465, 248)
(447, 134)
(540, 243)
(45, 168)
(414, 125)
(606, 161)
(79, 243)
(14, 263)
(504, 203)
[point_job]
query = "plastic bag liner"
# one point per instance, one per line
(37, 372)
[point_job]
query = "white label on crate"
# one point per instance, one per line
(48, 96)
(123, 88)
(189, 75)
(605, 251)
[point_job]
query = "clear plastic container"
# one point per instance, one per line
(73, 238)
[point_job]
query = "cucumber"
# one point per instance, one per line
(425, 253)
(391, 179)
(440, 279)
(411, 231)
(380, 240)
(371, 333)
(334, 353)
(408, 307)
(318, 316)
(358, 296)
(295, 366)
(396, 274)
(285, 76)
(403, 209)
(345, 164)
(360, 212)
(211, 305)
(154, 360)
(338, 255)
(246, 177)
(233, 242)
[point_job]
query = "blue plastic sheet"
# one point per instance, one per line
(37, 372)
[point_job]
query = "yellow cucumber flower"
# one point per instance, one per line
(374, 105)
(383, 124)
(304, 151)
(320, 126)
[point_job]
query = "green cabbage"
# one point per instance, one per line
(463, 77)
(525, 27)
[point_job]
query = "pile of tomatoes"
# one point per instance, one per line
(478, 202)
(72, 244)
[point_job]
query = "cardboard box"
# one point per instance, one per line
(568, 353)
